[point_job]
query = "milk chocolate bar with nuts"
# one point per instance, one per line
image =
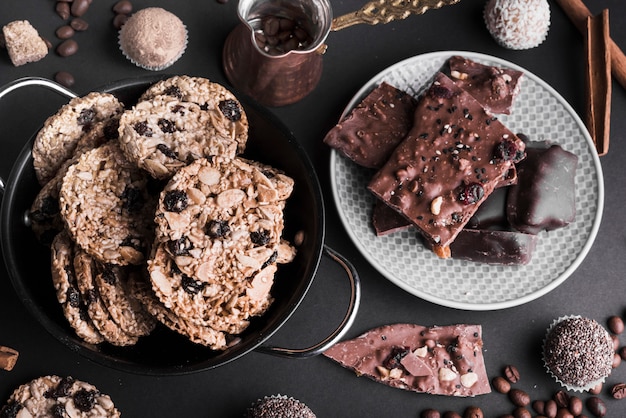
(8, 358)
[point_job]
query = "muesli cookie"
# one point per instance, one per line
(231, 118)
(106, 206)
(67, 292)
(163, 134)
(86, 270)
(220, 219)
(56, 141)
(45, 216)
(198, 334)
(55, 396)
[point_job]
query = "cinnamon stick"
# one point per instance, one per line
(598, 80)
(578, 14)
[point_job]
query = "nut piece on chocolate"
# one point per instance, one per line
(494, 87)
(453, 158)
(371, 131)
(23, 42)
(544, 197)
(445, 360)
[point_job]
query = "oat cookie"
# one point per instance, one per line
(45, 216)
(198, 334)
(57, 140)
(106, 206)
(209, 95)
(86, 269)
(67, 292)
(55, 396)
(164, 134)
(220, 220)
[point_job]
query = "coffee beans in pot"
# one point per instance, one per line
(279, 35)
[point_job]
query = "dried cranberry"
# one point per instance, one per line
(143, 129)
(190, 285)
(175, 201)
(132, 199)
(62, 389)
(85, 399)
(174, 91)
(261, 237)
(108, 275)
(471, 193)
(440, 92)
(73, 297)
(167, 126)
(48, 209)
(58, 411)
(270, 260)
(86, 118)
(230, 108)
(217, 228)
(509, 150)
(180, 246)
(11, 409)
(167, 151)
(394, 359)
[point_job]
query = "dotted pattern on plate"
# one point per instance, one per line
(540, 113)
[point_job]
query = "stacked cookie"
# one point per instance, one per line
(152, 214)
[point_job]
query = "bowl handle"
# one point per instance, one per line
(344, 326)
(32, 81)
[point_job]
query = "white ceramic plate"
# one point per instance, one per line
(540, 113)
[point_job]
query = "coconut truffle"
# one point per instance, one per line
(279, 406)
(153, 38)
(578, 352)
(518, 24)
(23, 42)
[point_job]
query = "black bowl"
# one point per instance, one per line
(28, 262)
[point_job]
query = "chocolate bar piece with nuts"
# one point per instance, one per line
(8, 358)
(453, 158)
(440, 360)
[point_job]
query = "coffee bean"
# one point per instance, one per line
(615, 340)
(615, 324)
(522, 412)
(622, 352)
(564, 413)
(518, 397)
(124, 7)
(79, 7)
(430, 413)
(575, 405)
(539, 407)
(473, 412)
(79, 25)
(64, 78)
(67, 47)
(550, 408)
(63, 10)
(271, 26)
(561, 398)
(47, 42)
(451, 414)
(119, 20)
(618, 391)
(596, 406)
(596, 390)
(511, 373)
(617, 360)
(501, 385)
(64, 32)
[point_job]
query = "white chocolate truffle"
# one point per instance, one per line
(518, 24)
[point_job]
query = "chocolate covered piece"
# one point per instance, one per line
(544, 197)
(453, 158)
(440, 360)
(494, 247)
(494, 87)
(371, 131)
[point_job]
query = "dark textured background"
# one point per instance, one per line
(354, 55)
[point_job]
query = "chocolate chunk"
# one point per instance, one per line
(8, 358)
(494, 247)
(443, 360)
(371, 131)
(544, 197)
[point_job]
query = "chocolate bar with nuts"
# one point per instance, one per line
(453, 158)
(440, 360)
(8, 358)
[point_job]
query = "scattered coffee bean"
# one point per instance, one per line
(64, 78)
(64, 32)
(518, 397)
(473, 412)
(618, 391)
(48, 43)
(617, 360)
(550, 408)
(539, 407)
(124, 7)
(596, 406)
(430, 413)
(79, 24)
(511, 373)
(615, 324)
(67, 47)
(63, 10)
(501, 385)
(615, 340)
(622, 352)
(575, 405)
(119, 20)
(596, 390)
(451, 414)
(561, 398)
(564, 413)
(79, 7)
(521, 412)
